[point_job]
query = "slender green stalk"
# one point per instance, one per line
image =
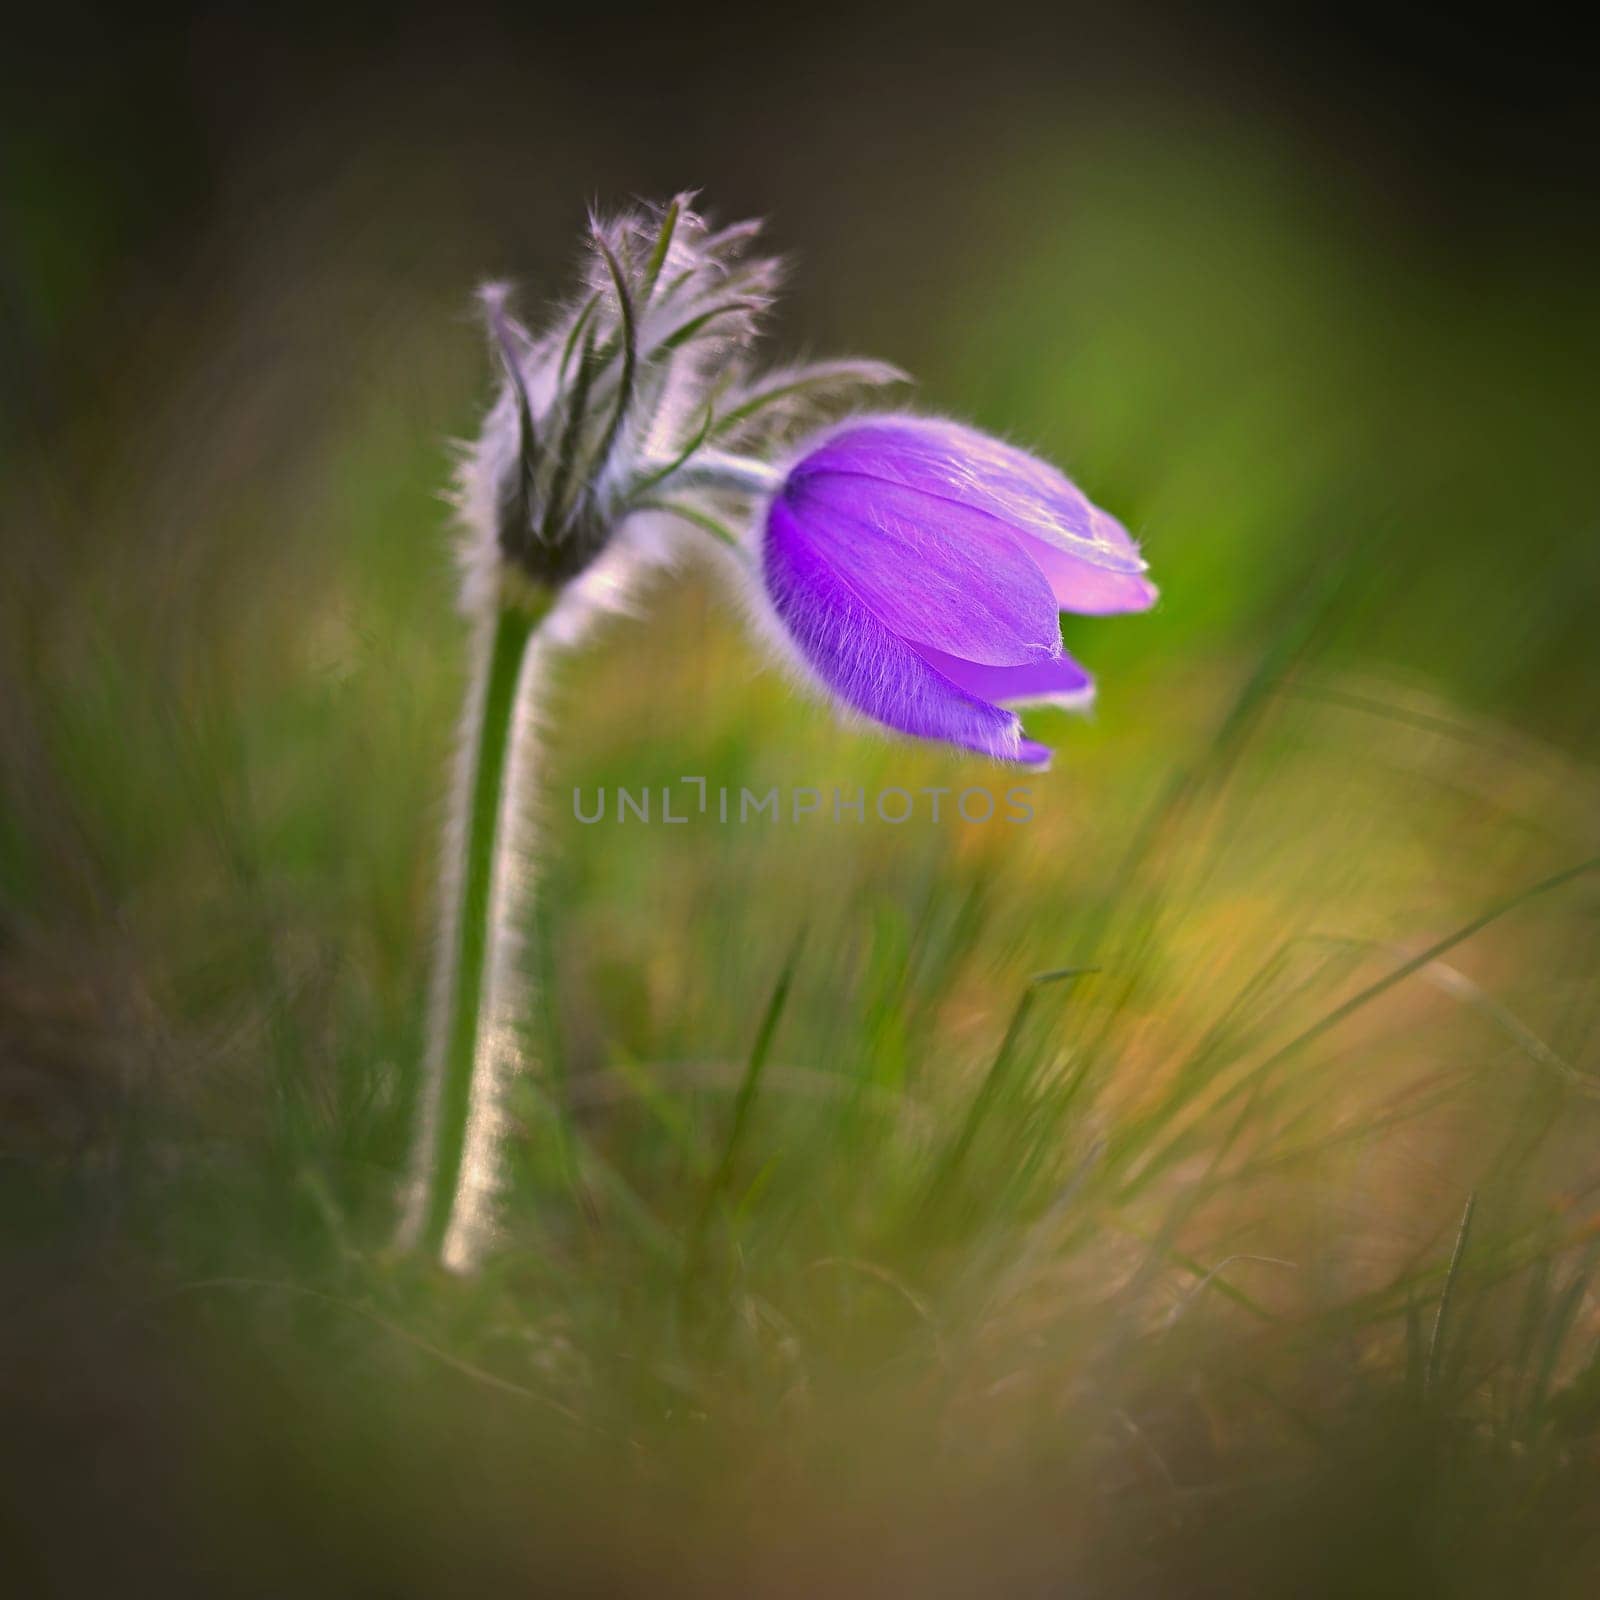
(474, 1045)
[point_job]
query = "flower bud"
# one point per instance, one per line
(918, 567)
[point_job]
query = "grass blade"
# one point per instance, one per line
(1436, 1343)
(748, 1088)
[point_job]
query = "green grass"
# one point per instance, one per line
(1068, 1206)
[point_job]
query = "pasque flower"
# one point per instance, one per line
(918, 568)
(915, 567)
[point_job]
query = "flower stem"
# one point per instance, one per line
(474, 1045)
(714, 469)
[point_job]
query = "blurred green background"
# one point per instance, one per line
(1153, 1297)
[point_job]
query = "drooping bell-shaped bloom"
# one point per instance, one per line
(919, 566)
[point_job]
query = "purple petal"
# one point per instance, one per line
(929, 570)
(1061, 682)
(959, 464)
(1089, 590)
(866, 665)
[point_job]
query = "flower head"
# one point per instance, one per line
(916, 566)
(629, 400)
(919, 566)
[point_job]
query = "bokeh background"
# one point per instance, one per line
(1154, 1297)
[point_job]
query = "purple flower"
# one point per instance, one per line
(918, 566)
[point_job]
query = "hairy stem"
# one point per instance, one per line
(475, 1043)
(713, 469)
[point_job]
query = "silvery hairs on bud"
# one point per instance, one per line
(638, 407)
